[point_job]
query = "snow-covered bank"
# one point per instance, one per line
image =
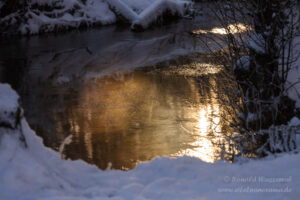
(28, 170)
(293, 80)
(152, 12)
(51, 15)
(9, 107)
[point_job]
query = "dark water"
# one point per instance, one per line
(124, 119)
(86, 84)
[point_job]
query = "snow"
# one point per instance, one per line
(9, 105)
(251, 117)
(138, 5)
(147, 13)
(294, 75)
(156, 9)
(295, 121)
(92, 12)
(293, 78)
(65, 14)
(32, 171)
(243, 63)
(123, 9)
(257, 43)
(61, 80)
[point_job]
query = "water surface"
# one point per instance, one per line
(124, 97)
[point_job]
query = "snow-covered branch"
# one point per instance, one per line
(38, 16)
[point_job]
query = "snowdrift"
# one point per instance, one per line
(52, 15)
(30, 171)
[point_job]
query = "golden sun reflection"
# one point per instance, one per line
(230, 29)
(206, 131)
(203, 146)
(149, 114)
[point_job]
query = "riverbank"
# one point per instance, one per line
(34, 17)
(28, 170)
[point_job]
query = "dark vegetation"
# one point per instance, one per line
(262, 59)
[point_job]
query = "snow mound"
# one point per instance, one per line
(32, 171)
